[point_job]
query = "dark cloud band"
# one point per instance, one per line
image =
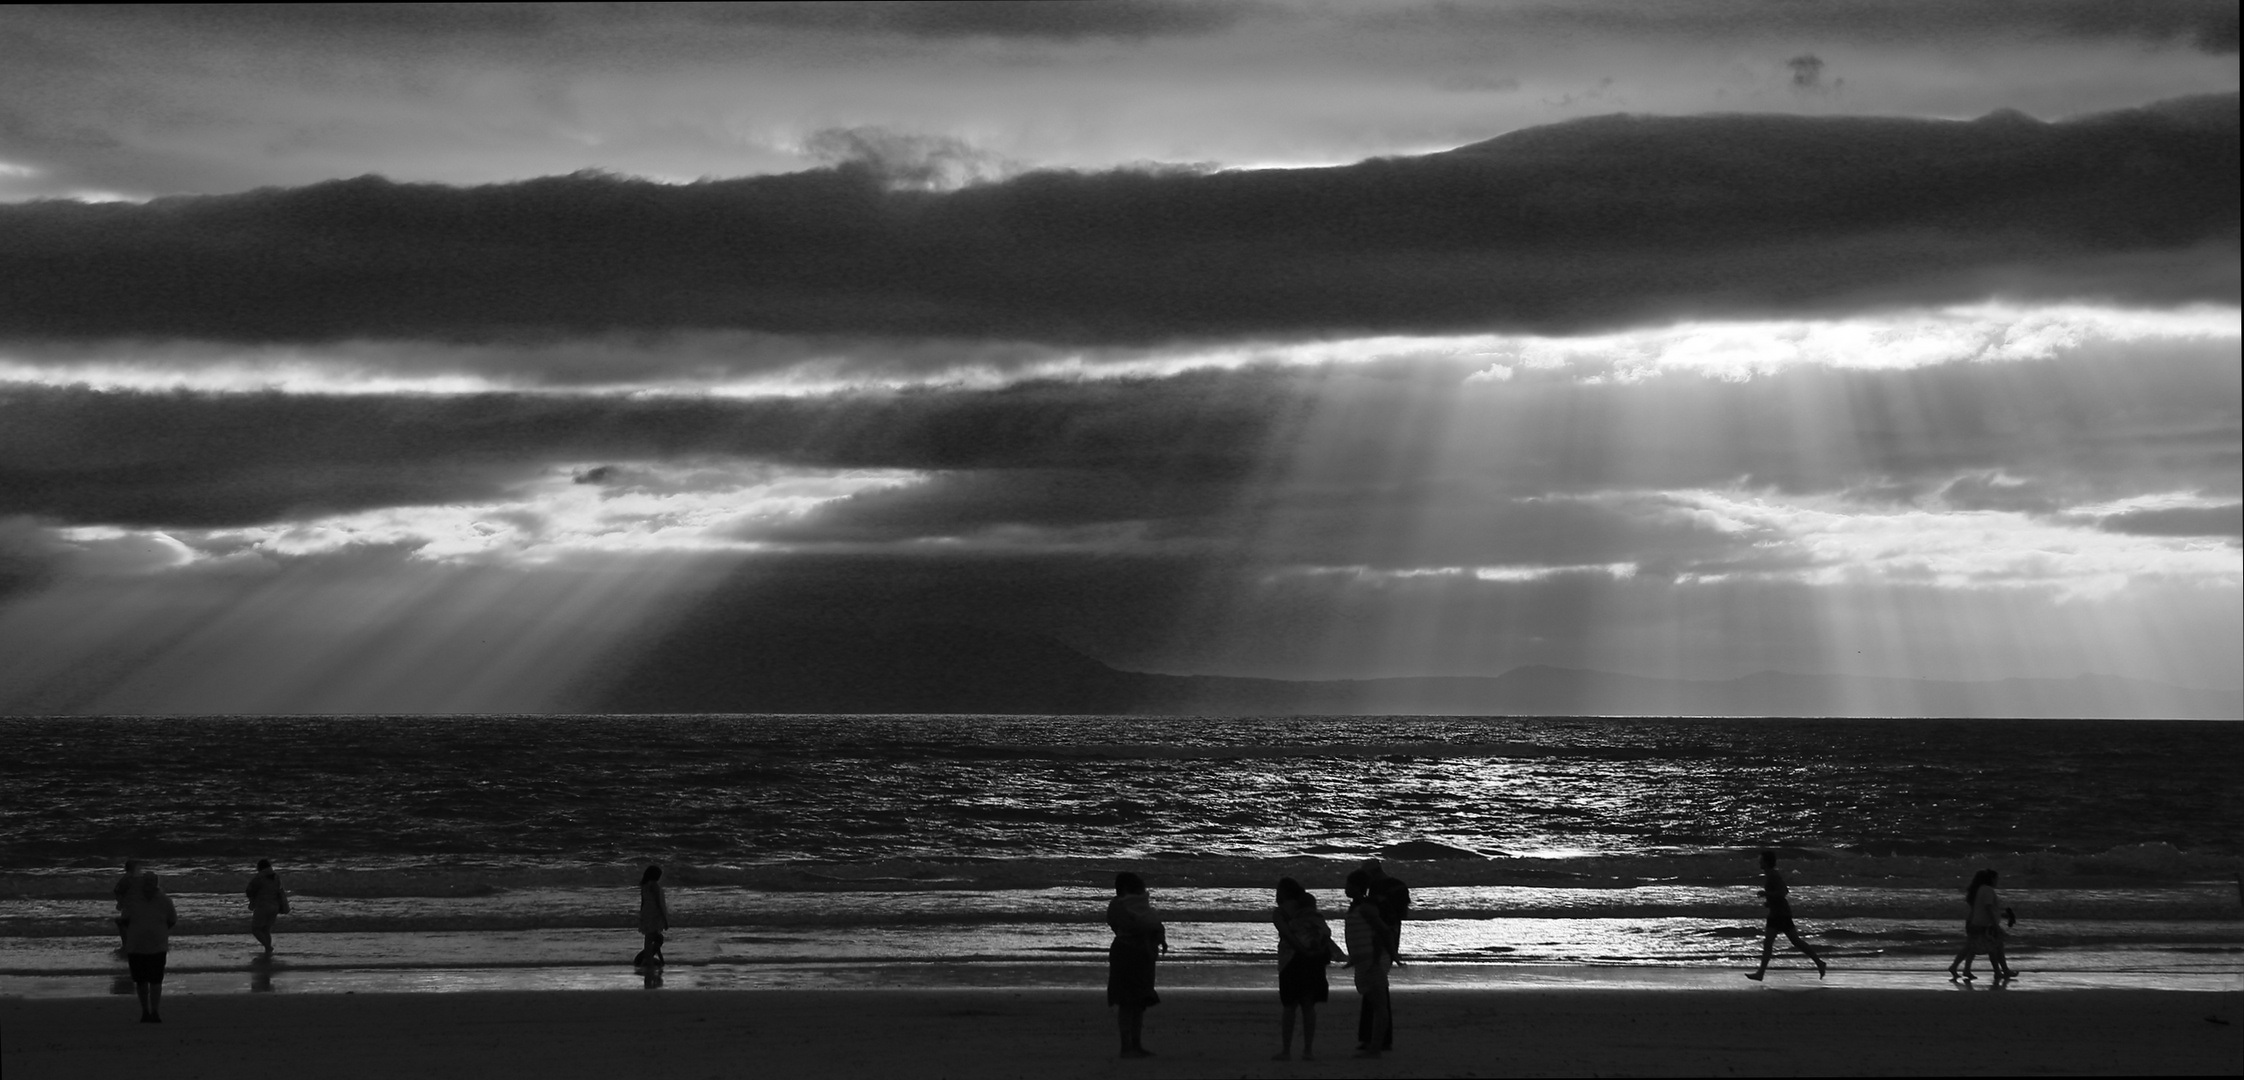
(1563, 228)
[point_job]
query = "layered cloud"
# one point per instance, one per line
(1399, 465)
(1566, 228)
(134, 102)
(1801, 388)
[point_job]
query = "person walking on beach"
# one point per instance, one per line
(654, 917)
(1305, 946)
(1138, 937)
(1777, 896)
(1982, 931)
(127, 885)
(267, 901)
(1368, 938)
(149, 919)
(1393, 900)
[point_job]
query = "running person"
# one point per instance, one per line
(1777, 896)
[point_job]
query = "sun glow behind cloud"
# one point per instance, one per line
(1828, 541)
(753, 365)
(1739, 350)
(569, 510)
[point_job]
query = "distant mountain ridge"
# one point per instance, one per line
(839, 668)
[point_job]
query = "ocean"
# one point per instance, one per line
(504, 851)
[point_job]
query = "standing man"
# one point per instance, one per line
(267, 900)
(1777, 896)
(1368, 938)
(1392, 899)
(127, 887)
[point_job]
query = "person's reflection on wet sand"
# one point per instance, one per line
(260, 977)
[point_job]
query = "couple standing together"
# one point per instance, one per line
(1376, 907)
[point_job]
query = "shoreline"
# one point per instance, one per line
(1787, 1027)
(1186, 976)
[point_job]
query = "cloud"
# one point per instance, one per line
(2179, 521)
(999, 18)
(741, 364)
(211, 460)
(140, 102)
(1395, 466)
(1566, 228)
(2206, 25)
(907, 161)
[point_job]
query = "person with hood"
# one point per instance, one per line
(149, 916)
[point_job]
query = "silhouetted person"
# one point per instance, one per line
(126, 886)
(1974, 930)
(1982, 930)
(149, 919)
(1777, 896)
(1368, 938)
(267, 901)
(1305, 946)
(654, 917)
(1393, 898)
(1138, 938)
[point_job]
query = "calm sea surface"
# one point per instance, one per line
(986, 840)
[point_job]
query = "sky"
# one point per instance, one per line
(400, 358)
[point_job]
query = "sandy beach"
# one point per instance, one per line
(985, 1033)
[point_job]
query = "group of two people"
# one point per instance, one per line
(146, 916)
(1377, 904)
(1983, 932)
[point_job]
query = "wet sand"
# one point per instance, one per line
(1791, 1029)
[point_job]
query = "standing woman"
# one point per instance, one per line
(654, 916)
(1305, 946)
(1138, 937)
(267, 901)
(149, 917)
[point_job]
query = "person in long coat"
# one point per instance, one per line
(149, 917)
